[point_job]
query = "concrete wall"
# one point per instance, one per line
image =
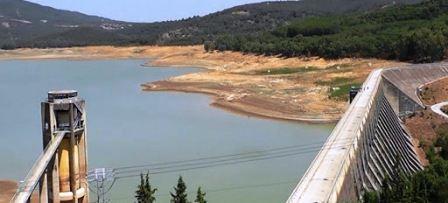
(400, 102)
(402, 84)
(377, 146)
(334, 172)
(384, 146)
(369, 142)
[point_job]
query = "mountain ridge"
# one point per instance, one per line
(26, 24)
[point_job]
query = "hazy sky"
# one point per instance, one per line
(144, 10)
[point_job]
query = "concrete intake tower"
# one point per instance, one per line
(65, 178)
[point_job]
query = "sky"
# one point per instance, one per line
(144, 10)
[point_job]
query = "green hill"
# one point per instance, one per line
(25, 24)
(415, 33)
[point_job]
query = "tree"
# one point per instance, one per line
(386, 192)
(428, 185)
(209, 46)
(145, 193)
(370, 197)
(442, 140)
(200, 196)
(180, 192)
(8, 46)
(424, 45)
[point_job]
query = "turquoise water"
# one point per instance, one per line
(127, 126)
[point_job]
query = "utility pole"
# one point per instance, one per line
(103, 180)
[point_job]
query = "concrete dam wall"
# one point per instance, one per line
(403, 85)
(369, 142)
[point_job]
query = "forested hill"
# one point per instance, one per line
(417, 33)
(25, 24)
(253, 18)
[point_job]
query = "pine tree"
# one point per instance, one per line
(180, 192)
(370, 197)
(386, 193)
(200, 196)
(145, 193)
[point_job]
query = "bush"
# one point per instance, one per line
(8, 46)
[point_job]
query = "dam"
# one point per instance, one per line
(370, 141)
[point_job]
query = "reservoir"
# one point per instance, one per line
(129, 127)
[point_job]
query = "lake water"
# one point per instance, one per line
(127, 126)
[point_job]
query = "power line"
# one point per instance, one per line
(214, 163)
(155, 169)
(180, 163)
(216, 157)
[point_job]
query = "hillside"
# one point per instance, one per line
(252, 18)
(407, 32)
(25, 24)
(22, 22)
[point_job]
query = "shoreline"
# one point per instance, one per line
(233, 79)
(7, 190)
(241, 111)
(257, 114)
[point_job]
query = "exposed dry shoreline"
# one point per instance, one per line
(7, 190)
(249, 84)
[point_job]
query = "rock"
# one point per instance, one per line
(5, 24)
(230, 98)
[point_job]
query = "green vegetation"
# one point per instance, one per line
(442, 141)
(339, 87)
(65, 28)
(429, 185)
(180, 192)
(145, 193)
(341, 92)
(417, 33)
(200, 196)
